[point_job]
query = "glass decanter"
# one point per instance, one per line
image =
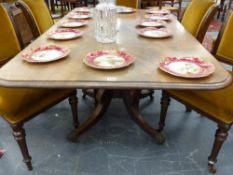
(105, 22)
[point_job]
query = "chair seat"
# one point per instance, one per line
(18, 105)
(217, 103)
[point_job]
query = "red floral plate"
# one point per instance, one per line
(153, 32)
(187, 67)
(152, 23)
(108, 59)
(82, 9)
(158, 17)
(64, 34)
(70, 23)
(79, 15)
(45, 54)
(163, 12)
(122, 9)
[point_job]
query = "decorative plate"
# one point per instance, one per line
(82, 9)
(108, 59)
(122, 9)
(152, 23)
(158, 17)
(153, 32)
(70, 23)
(187, 67)
(64, 34)
(163, 12)
(45, 54)
(79, 15)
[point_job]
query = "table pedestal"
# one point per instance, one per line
(131, 101)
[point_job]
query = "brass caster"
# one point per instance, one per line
(212, 169)
(72, 137)
(29, 165)
(159, 138)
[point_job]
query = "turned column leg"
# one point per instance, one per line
(165, 101)
(220, 137)
(104, 98)
(73, 101)
(19, 135)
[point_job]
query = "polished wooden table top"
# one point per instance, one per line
(143, 73)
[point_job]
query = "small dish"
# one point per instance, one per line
(79, 15)
(153, 32)
(158, 17)
(122, 9)
(108, 59)
(151, 23)
(187, 67)
(82, 9)
(65, 34)
(162, 12)
(46, 54)
(73, 23)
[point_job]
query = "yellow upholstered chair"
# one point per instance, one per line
(41, 13)
(128, 3)
(18, 105)
(216, 105)
(194, 14)
(9, 44)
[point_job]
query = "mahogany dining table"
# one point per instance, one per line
(125, 83)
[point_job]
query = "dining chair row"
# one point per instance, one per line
(215, 105)
(18, 105)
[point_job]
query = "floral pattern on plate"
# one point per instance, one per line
(70, 23)
(45, 54)
(79, 15)
(187, 67)
(158, 17)
(152, 23)
(163, 12)
(64, 34)
(153, 32)
(108, 59)
(122, 9)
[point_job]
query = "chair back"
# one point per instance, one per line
(194, 14)
(30, 19)
(10, 38)
(206, 22)
(40, 12)
(223, 48)
(128, 3)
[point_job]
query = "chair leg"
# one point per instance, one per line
(220, 137)
(19, 135)
(165, 101)
(62, 7)
(73, 101)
